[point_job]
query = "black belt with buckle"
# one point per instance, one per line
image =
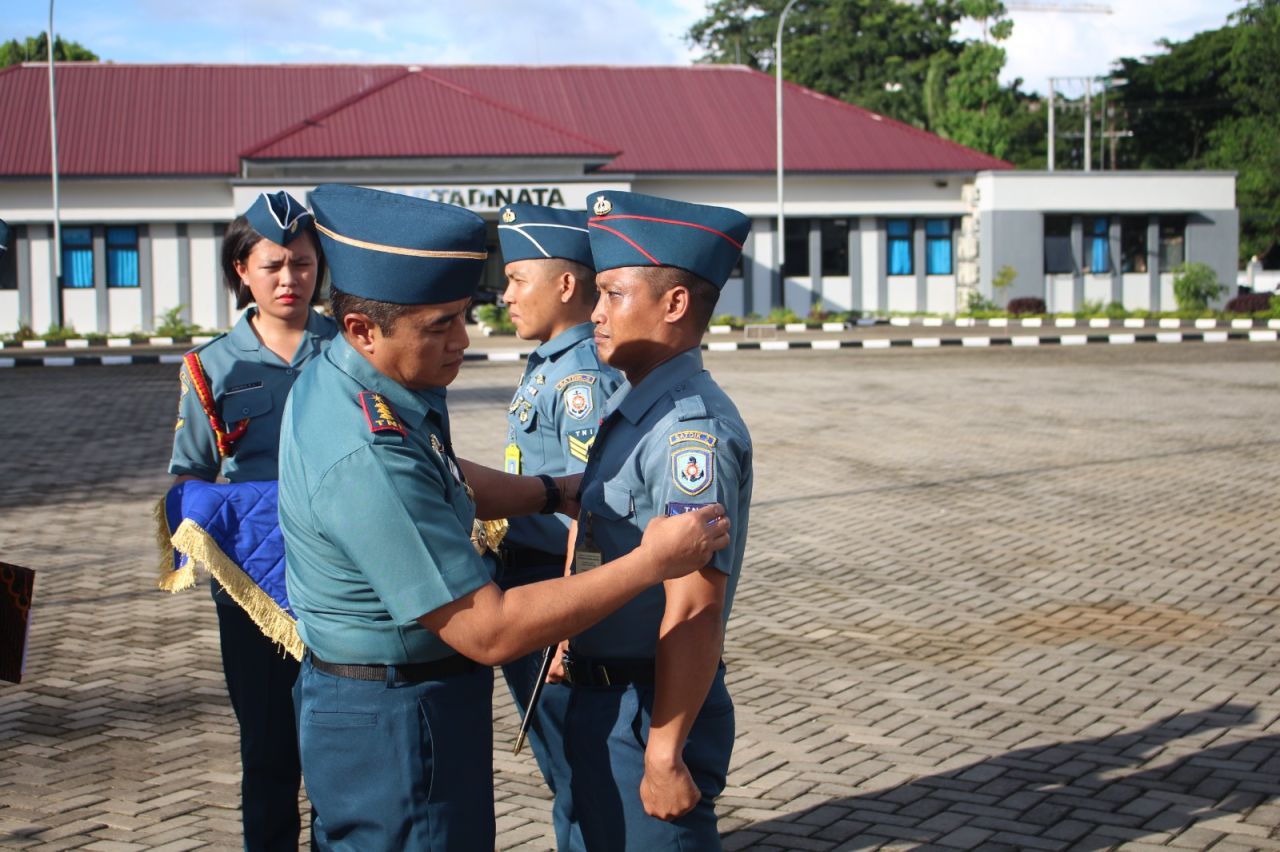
(589, 671)
(407, 673)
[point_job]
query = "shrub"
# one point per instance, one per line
(60, 332)
(1249, 303)
(1116, 311)
(727, 319)
(1195, 285)
(1026, 305)
(1089, 308)
(171, 324)
(495, 317)
(976, 303)
(780, 316)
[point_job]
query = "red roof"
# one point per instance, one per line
(148, 120)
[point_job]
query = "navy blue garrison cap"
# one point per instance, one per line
(629, 229)
(534, 232)
(4, 235)
(278, 216)
(396, 248)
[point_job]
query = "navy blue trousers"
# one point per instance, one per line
(260, 681)
(546, 731)
(398, 766)
(607, 729)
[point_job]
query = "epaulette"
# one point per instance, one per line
(379, 413)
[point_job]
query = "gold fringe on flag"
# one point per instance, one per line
(191, 540)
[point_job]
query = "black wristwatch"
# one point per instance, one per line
(553, 495)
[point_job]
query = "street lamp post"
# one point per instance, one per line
(53, 170)
(782, 237)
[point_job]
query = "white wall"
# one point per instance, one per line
(80, 310)
(902, 293)
(204, 289)
(941, 294)
(42, 306)
(824, 195)
(8, 311)
(125, 306)
(1116, 192)
(1097, 288)
(870, 266)
(1059, 294)
(164, 268)
(1136, 290)
(731, 298)
(837, 293)
(1167, 301)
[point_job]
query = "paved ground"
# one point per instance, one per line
(1004, 598)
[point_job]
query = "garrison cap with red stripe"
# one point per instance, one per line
(630, 229)
(396, 248)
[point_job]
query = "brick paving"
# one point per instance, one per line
(1001, 599)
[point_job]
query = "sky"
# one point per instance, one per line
(612, 32)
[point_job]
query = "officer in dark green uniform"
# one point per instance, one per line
(649, 729)
(392, 585)
(551, 425)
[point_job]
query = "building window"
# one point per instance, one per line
(77, 257)
(835, 246)
(1057, 246)
(1133, 244)
(937, 254)
(797, 263)
(122, 256)
(1097, 245)
(9, 263)
(899, 233)
(1173, 238)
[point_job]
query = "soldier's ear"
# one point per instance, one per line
(676, 303)
(568, 284)
(359, 330)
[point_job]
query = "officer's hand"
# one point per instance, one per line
(555, 674)
(681, 544)
(569, 486)
(668, 792)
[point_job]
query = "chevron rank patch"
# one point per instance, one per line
(378, 411)
(580, 443)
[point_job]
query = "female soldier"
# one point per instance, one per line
(272, 262)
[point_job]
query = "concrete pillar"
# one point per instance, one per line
(1153, 261)
(854, 237)
(1077, 254)
(101, 302)
(917, 261)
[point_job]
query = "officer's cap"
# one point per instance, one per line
(629, 229)
(534, 232)
(279, 217)
(396, 248)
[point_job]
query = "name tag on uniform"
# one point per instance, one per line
(587, 555)
(511, 461)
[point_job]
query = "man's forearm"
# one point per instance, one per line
(502, 495)
(688, 655)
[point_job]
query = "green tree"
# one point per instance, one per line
(873, 53)
(36, 49)
(964, 100)
(1249, 140)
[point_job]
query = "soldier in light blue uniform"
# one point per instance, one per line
(551, 423)
(233, 392)
(650, 725)
(389, 575)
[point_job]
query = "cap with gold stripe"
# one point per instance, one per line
(395, 248)
(630, 229)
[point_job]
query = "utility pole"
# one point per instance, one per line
(53, 171)
(1052, 82)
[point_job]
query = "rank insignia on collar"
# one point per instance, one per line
(540, 379)
(524, 415)
(602, 206)
(515, 403)
(379, 414)
(532, 391)
(693, 469)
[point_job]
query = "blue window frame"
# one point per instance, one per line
(77, 257)
(899, 233)
(1097, 247)
(122, 256)
(937, 255)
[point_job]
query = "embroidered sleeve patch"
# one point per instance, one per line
(695, 436)
(379, 414)
(575, 378)
(577, 401)
(692, 469)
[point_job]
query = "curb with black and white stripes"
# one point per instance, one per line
(1269, 335)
